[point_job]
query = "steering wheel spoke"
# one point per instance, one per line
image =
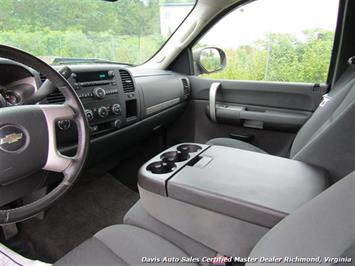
(56, 162)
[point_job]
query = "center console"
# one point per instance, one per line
(109, 97)
(211, 192)
(107, 107)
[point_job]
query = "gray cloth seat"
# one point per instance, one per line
(122, 245)
(325, 227)
(326, 139)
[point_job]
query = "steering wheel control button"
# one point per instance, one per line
(63, 124)
(89, 114)
(102, 112)
(99, 93)
(12, 138)
(116, 109)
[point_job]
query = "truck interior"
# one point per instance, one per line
(177, 132)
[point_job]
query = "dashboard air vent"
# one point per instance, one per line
(187, 88)
(55, 97)
(127, 81)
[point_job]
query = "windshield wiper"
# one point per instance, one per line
(70, 60)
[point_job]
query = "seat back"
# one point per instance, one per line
(327, 139)
(325, 227)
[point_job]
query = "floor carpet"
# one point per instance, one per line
(89, 206)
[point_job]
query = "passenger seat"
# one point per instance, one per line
(327, 138)
(325, 227)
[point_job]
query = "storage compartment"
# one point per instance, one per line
(258, 188)
(131, 108)
(219, 190)
(253, 187)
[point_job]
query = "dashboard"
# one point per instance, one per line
(123, 105)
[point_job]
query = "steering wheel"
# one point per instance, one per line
(28, 139)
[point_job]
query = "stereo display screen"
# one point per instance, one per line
(91, 76)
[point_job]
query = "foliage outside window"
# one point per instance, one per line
(128, 31)
(266, 44)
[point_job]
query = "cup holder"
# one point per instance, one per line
(169, 159)
(188, 148)
(161, 167)
(174, 157)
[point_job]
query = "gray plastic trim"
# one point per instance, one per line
(55, 161)
(161, 106)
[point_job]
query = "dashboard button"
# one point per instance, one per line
(116, 109)
(117, 123)
(89, 114)
(94, 128)
(103, 112)
(99, 93)
(63, 124)
(111, 74)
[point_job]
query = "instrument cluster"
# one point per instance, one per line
(16, 82)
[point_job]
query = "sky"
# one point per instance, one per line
(252, 21)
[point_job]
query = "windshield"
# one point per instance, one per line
(57, 31)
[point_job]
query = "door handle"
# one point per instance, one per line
(212, 100)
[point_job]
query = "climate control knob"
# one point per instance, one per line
(116, 109)
(89, 114)
(102, 112)
(99, 93)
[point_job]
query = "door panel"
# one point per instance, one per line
(266, 114)
(294, 96)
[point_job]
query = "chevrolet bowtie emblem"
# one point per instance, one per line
(11, 138)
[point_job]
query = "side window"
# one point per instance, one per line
(271, 40)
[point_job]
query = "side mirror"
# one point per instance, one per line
(209, 60)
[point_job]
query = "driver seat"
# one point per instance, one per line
(325, 227)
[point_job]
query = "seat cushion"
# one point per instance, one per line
(233, 143)
(122, 245)
(138, 216)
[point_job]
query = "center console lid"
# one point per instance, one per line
(254, 187)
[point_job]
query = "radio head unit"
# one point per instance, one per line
(104, 98)
(94, 76)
